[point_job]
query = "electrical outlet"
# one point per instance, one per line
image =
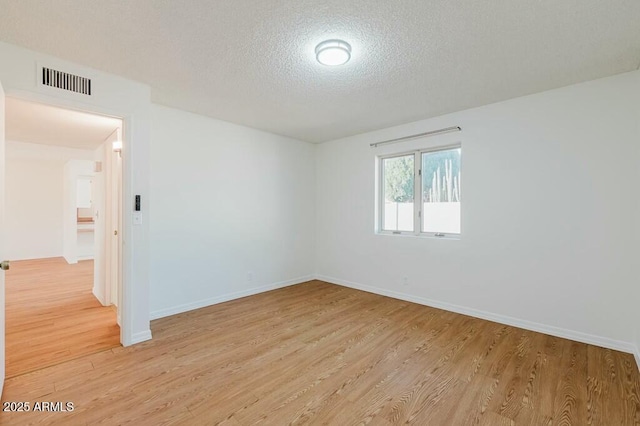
(249, 276)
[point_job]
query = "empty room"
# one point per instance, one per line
(323, 212)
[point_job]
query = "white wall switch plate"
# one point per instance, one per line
(137, 218)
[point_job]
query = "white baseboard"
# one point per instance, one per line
(161, 313)
(502, 319)
(99, 297)
(636, 354)
(140, 337)
(13, 258)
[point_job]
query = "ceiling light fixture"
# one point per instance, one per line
(333, 52)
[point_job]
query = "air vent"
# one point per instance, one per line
(66, 81)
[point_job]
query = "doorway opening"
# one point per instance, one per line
(63, 221)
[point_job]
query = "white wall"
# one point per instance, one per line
(637, 337)
(99, 215)
(548, 206)
(34, 199)
(636, 299)
(2, 235)
(33, 206)
(227, 200)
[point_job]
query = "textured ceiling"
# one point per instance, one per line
(251, 61)
(47, 125)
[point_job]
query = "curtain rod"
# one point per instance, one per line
(431, 133)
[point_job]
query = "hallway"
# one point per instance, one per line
(52, 315)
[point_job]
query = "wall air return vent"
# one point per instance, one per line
(66, 81)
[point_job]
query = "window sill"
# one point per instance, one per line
(455, 237)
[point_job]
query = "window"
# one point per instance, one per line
(399, 190)
(432, 174)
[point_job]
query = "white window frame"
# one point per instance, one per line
(417, 191)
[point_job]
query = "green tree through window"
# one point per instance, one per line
(398, 182)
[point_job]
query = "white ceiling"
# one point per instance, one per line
(47, 125)
(251, 62)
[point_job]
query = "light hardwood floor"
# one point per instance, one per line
(322, 354)
(52, 316)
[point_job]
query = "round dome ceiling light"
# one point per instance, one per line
(333, 52)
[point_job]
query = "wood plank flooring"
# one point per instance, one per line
(317, 353)
(52, 316)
